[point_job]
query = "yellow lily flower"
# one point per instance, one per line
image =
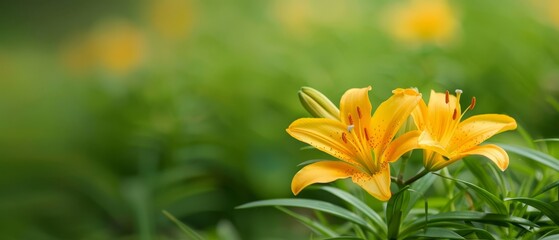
(447, 140)
(364, 144)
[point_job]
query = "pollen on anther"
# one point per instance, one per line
(473, 104)
(366, 134)
(359, 112)
(350, 120)
(454, 114)
(344, 138)
(447, 97)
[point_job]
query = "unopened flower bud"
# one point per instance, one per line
(317, 104)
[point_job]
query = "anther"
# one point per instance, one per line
(350, 120)
(344, 137)
(447, 97)
(454, 114)
(473, 104)
(359, 112)
(366, 134)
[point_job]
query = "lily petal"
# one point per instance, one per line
(320, 172)
(493, 152)
(419, 115)
(378, 185)
(327, 135)
(426, 141)
(476, 129)
(401, 145)
(390, 115)
(440, 113)
(355, 109)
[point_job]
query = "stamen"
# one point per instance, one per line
(473, 104)
(350, 127)
(359, 112)
(447, 97)
(366, 134)
(350, 120)
(454, 114)
(344, 138)
(458, 91)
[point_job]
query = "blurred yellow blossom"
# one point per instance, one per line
(422, 21)
(78, 55)
(119, 47)
(299, 17)
(172, 19)
(547, 10)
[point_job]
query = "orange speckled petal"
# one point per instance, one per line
(419, 115)
(426, 141)
(439, 116)
(320, 172)
(328, 135)
(355, 109)
(390, 115)
(476, 129)
(495, 153)
(378, 185)
(401, 145)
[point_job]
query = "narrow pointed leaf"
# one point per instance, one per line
(550, 210)
(344, 238)
(359, 205)
(311, 204)
(313, 225)
(547, 188)
(418, 190)
(534, 155)
(494, 202)
(394, 213)
(489, 218)
(438, 233)
(185, 229)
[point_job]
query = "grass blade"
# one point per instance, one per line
(494, 202)
(489, 218)
(437, 233)
(534, 155)
(186, 229)
(311, 204)
(550, 210)
(313, 225)
(547, 188)
(359, 205)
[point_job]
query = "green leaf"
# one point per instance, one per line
(309, 162)
(547, 140)
(437, 233)
(394, 213)
(479, 171)
(311, 204)
(344, 238)
(186, 229)
(537, 156)
(550, 210)
(480, 233)
(495, 203)
(313, 225)
(359, 205)
(418, 189)
(489, 218)
(546, 188)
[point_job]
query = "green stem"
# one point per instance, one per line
(416, 177)
(403, 164)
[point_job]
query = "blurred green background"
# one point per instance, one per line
(111, 112)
